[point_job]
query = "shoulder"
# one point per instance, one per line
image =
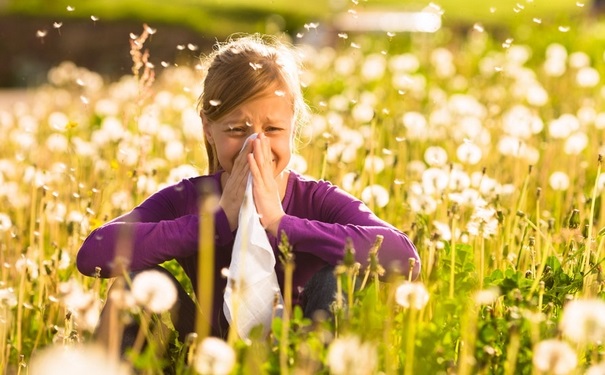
(192, 187)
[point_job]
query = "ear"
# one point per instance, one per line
(207, 129)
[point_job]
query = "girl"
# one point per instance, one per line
(251, 86)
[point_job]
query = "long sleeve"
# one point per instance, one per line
(164, 227)
(322, 226)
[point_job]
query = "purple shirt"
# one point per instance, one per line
(319, 218)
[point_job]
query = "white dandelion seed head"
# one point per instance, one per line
(406, 62)
(376, 194)
(536, 95)
(214, 356)
(435, 156)
(75, 360)
(434, 181)
(443, 229)
(58, 121)
(588, 77)
(174, 150)
(559, 181)
(5, 222)
(579, 60)
(362, 112)
(563, 126)
(583, 321)
(181, 172)
(191, 125)
(576, 143)
(469, 153)
(298, 163)
(154, 290)
(521, 122)
(487, 296)
(596, 369)
(556, 51)
(459, 180)
(344, 65)
(554, 68)
(351, 182)
(57, 143)
(416, 125)
(554, 357)
(349, 355)
(373, 68)
(373, 164)
(8, 297)
(412, 295)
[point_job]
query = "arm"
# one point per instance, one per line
(163, 227)
(340, 216)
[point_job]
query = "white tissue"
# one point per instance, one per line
(251, 282)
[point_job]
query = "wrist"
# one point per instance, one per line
(273, 226)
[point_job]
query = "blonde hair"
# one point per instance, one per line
(240, 69)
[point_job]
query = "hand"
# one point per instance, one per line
(234, 187)
(264, 186)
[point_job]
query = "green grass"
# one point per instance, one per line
(223, 17)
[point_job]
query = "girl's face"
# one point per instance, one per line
(270, 112)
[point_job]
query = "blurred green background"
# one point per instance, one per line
(37, 34)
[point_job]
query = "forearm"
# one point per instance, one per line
(327, 241)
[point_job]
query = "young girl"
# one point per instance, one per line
(252, 86)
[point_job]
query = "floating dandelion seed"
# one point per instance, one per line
(150, 30)
(343, 35)
(300, 35)
(554, 357)
(507, 43)
(280, 93)
(248, 123)
(70, 8)
(133, 36)
(84, 99)
(180, 47)
(214, 356)
(5, 222)
(165, 64)
(57, 25)
(391, 34)
(94, 18)
(537, 20)
(580, 5)
(355, 45)
(256, 66)
(564, 29)
(311, 25)
(41, 33)
(478, 27)
(192, 47)
(215, 102)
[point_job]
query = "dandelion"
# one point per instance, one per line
(374, 164)
(75, 360)
(373, 67)
(487, 296)
(376, 194)
(347, 355)
(154, 291)
(416, 125)
(434, 180)
(554, 357)
(469, 153)
(597, 369)
(8, 297)
(575, 143)
(588, 77)
(363, 113)
(583, 321)
(559, 180)
(214, 356)
(5, 222)
(298, 163)
(412, 295)
(435, 156)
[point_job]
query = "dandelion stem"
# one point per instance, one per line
(453, 258)
(588, 239)
(205, 266)
(410, 342)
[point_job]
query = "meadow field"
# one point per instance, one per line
(485, 145)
